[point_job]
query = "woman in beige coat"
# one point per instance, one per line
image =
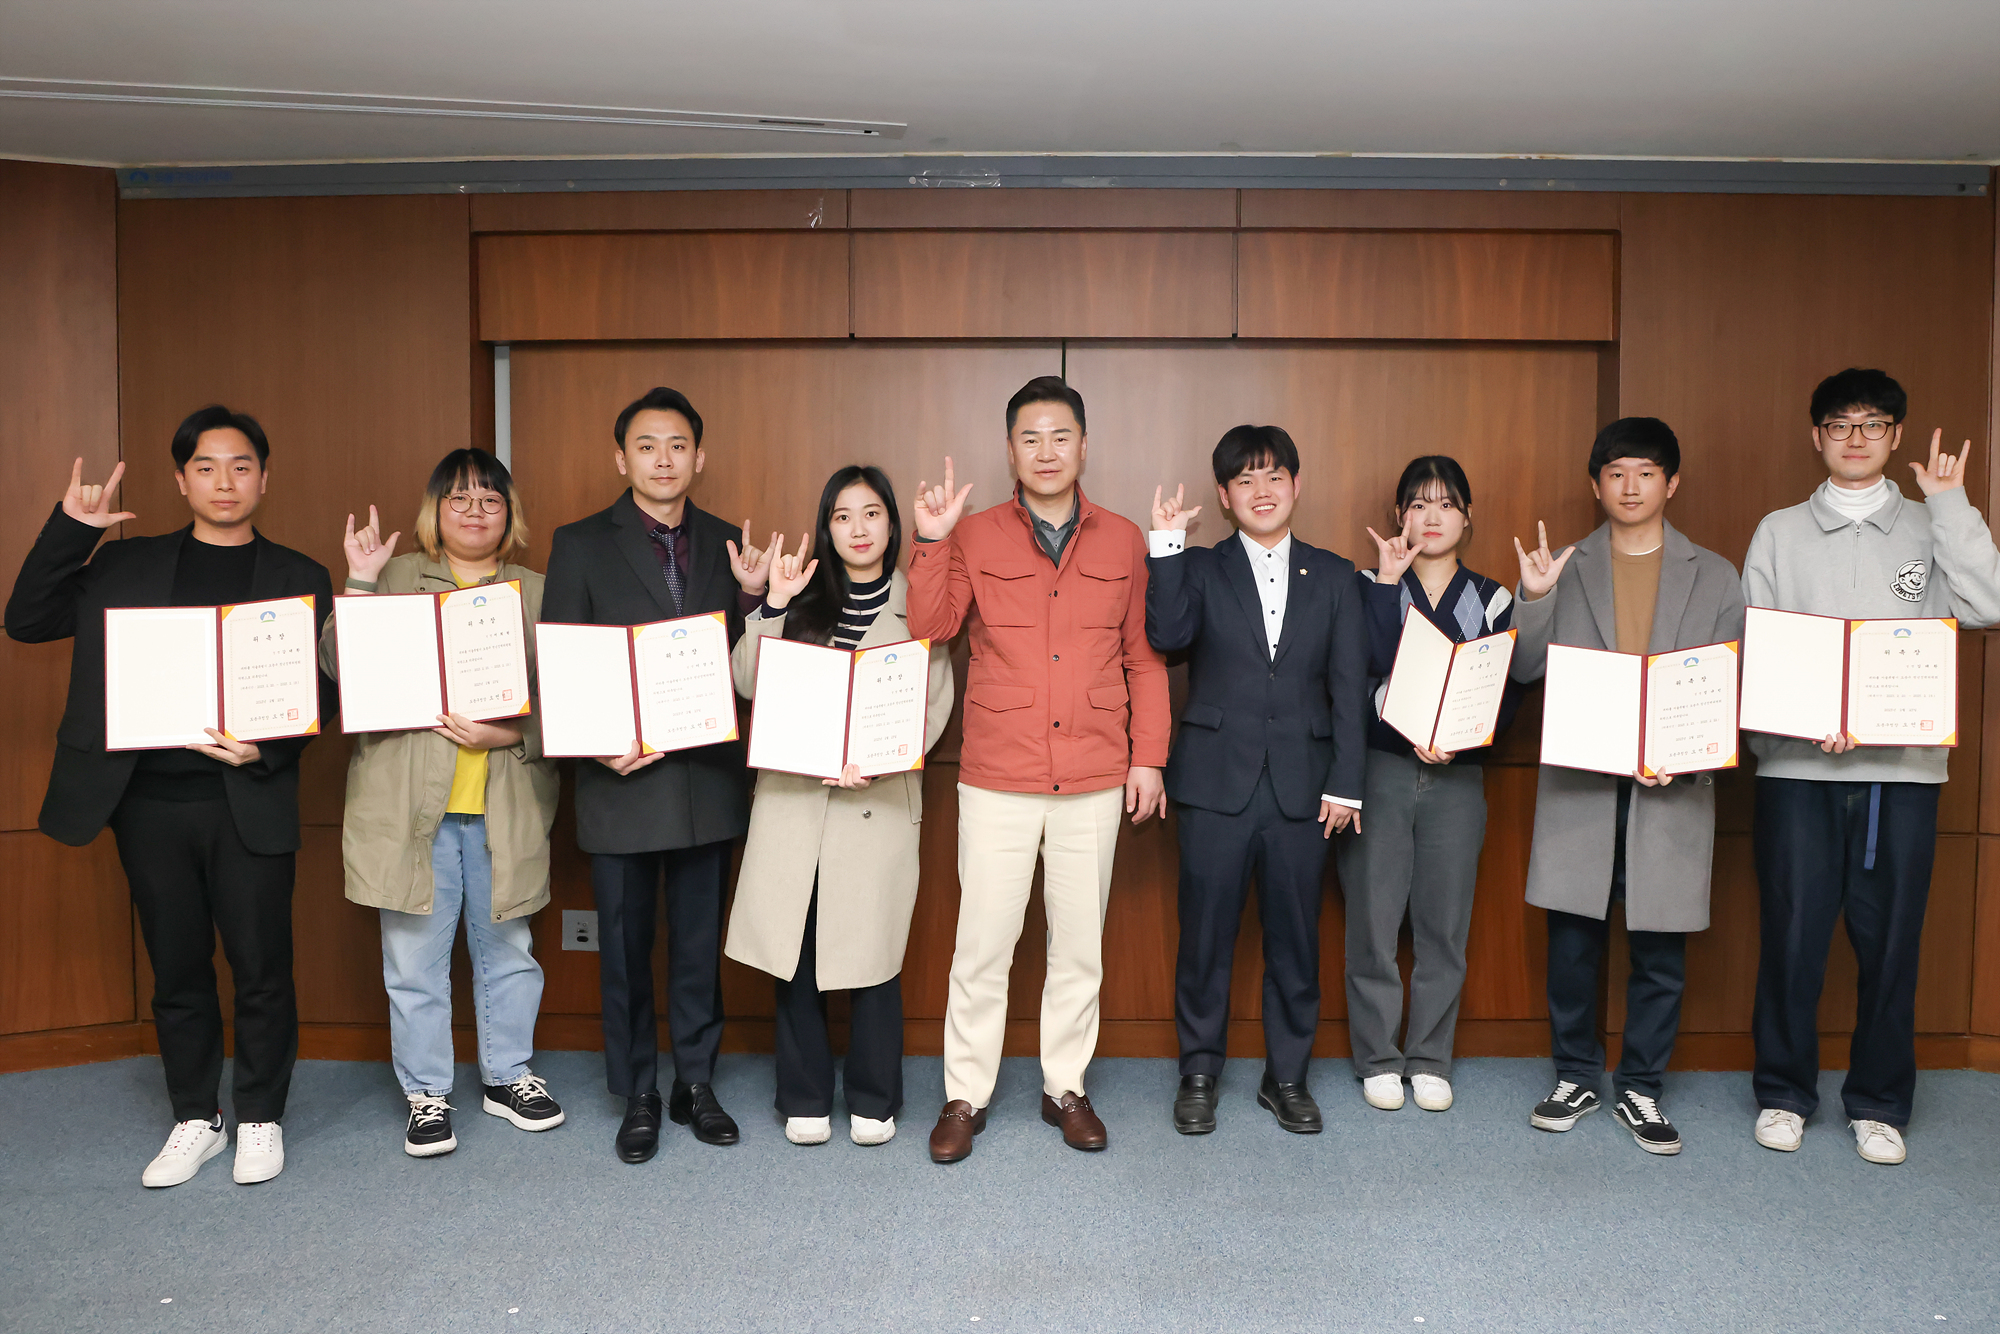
(829, 874)
(454, 823)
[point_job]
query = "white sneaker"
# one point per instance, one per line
(1878, 1142)
(808, 1129)
(260, 1152)
(863, 1130)
(1384, 1091)
(1780, 1130)
(191, 1144)
(1432, 1092)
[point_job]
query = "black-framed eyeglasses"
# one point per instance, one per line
(1871, 429)
(462, 503)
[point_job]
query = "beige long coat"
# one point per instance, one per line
(862, 844)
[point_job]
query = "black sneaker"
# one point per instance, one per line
(525, 1102)
(430, 1127)
(1642, 1116)
(1568, 1104)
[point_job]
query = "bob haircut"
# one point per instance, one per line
(1433, 475)
(1646, 438)
(813, 614)
(1872, 391)
(1245, 447)
(469, 467)
(660, 399)
(215, 417)
(1045, 389)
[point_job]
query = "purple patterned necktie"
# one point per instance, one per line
(670, 566)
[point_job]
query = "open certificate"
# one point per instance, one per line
(1656, 714)
(665, 685)
(406, 658)
(484, 651)
(250, 671)
(819, 709)
(1882, 682)
(1444, 695)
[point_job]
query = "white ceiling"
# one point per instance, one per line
(1860, 79)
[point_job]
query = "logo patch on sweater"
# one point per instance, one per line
(1909, 581)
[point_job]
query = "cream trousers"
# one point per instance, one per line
(999, 835)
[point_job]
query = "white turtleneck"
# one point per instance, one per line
(1854, 506)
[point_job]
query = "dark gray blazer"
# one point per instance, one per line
(1670, 834)
(604, 570)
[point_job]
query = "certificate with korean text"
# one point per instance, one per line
(485, 645)
(1690, 711)
(819, 709)
(1902, 683)
(270, 669)
(665, 685)
(249, 671)
(387, 647)
(1444, 695)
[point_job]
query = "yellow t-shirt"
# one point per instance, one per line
(468, 779)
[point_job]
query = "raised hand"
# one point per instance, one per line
(790, 575)
(939, 508)
(1170, 516)
(752, 567)
(1393, 555)
(366, 552)
(92, 504)
(1539, 570)
(1944, 472)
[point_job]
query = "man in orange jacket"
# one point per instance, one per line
(1065, 710)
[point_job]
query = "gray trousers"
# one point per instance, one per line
(1418, 854)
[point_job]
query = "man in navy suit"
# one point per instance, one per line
(1267, 763)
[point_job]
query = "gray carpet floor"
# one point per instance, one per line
(1466, 1220)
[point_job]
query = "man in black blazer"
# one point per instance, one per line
(207, 834)
(1267, 763)
(653, 556)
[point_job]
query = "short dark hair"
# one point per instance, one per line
(1244, 447)
(1425, 471)
(660, 399)
(215, 417)
(1044, 389)
(1856, 388)
(1636, 438)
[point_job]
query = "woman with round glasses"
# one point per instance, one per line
(454, 823)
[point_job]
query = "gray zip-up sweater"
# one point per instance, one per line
(1908, 559)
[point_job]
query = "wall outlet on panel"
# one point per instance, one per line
(579, 930)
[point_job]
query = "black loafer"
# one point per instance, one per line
(1194, 1105)
(639, 1133)
(1292, 1104)
(694, 1106)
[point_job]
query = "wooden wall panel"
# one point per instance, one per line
(59, 381)
(1735, 306)
(1049, 208)
(1985, 1006)
(1433, 210)
(1043, 285)
(65, 935)
(1553, 286)
(660, 211)
(663, 285)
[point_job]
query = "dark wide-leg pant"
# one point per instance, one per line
(874, 1075)
(627, 887)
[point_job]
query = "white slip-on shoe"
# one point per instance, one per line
(808, 1129)
(1383, 1091)
(867, 1131)
(1878, 1142)
(1432, 1092)
(1779, 1129)
(191, 1144)
(260, 1152)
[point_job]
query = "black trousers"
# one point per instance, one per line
(805, 1057)
(1219, 855)
(627, 887)
(1652, 994)
(1824, 849)
(191, 880)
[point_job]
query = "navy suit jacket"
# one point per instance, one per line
(1303, 711)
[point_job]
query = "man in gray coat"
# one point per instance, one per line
(1638, 587)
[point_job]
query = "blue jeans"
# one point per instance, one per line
(416, 967)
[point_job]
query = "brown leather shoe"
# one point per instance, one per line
(951, 1140)
(1080, 1127)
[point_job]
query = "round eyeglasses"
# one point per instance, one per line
(1870, 430)
(462, 503)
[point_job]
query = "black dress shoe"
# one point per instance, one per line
(694, 1105)
(1194, 1105)
(639, 1132)
(1292, 1104)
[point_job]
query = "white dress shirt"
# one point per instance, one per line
(1270, 570)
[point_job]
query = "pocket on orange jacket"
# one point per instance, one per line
(1109, 697)
(1106, 595)
(999, 698)
(1009, 595)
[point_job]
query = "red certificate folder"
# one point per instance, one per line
(249, 670)
(1882, 682)
(1655, 714)
(666, 685)
(819, 709)
(405, 658)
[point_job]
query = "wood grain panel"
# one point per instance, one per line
(663, 285)
(59, 380)
(1989, 732)
(1075, 209)
(1507, 952)
(1735, 306)
(1043, 285)
(660, 211)
(65, 935)
(1958, 802)
(1552, 286)
(1984, 1010)
(1434, 210)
